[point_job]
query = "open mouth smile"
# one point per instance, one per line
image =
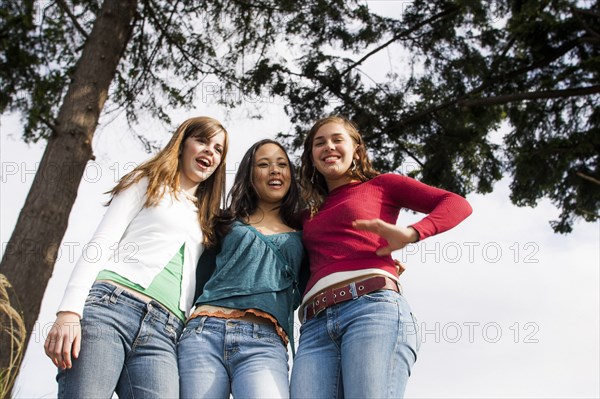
(204, 163)
(331, 158)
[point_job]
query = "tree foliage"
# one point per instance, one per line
(458, 71)
(466, 68)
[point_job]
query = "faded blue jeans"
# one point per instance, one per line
(128, 347)
(219, 357)
(361, 348)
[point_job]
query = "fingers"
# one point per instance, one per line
(400, 268)
(384, 251)
(53, 346)
(373, 225)
(64, 340)
(49, 349)
(396, 237)
(76, 346)
(66, 352)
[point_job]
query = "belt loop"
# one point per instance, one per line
(115, 295)
(352, 287)
(399, 286)
(200, 326)
(171, 321)
(178, 325)
(255, 330)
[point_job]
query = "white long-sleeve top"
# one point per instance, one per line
(137, 243)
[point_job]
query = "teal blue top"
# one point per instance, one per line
(165, 288)
(250, 270)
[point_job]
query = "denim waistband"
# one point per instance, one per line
(155, 308)
(231, 325)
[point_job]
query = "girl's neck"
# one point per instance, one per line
(187, 186)
(268, 220)
(342, 181)
(266, 213)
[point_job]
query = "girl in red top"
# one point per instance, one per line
(358, 336)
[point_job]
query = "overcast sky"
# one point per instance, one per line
(507, 308)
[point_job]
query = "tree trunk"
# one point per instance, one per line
(30, 254)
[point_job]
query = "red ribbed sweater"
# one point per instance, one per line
(332, 243)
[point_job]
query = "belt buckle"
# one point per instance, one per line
(319, 303)
(318, 312)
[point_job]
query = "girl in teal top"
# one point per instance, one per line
(236, 339)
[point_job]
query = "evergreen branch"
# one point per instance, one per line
(550, 58)
(533, 95)
(586, 212)
(147, 68)
(400, 35)
(63, 6)
(191, 59)
(586, 12)
(562, 50)
(590, 178)
(49, 124)
(577, 13)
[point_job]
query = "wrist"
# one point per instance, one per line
(415, 236)
(68, 313)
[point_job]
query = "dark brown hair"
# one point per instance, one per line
(312, 183)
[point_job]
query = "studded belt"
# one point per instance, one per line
(333, 296)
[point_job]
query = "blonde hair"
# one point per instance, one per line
(312, 183)
(162, 171)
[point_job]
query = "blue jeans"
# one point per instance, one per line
(128, 347)
(361, 348)
(219, 357)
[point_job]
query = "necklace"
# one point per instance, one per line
(192, 198)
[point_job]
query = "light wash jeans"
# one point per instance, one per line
(128, 347)
(362, 348)
(219, 357)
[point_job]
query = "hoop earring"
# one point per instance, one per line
(314, 176)
(354, 167)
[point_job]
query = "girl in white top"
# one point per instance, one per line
(130, 292)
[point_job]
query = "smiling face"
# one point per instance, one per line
(333, 150)
(199, 158)
(271, 175)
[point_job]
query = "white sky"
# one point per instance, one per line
(509, 309)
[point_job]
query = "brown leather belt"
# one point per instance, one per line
(333, 296)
